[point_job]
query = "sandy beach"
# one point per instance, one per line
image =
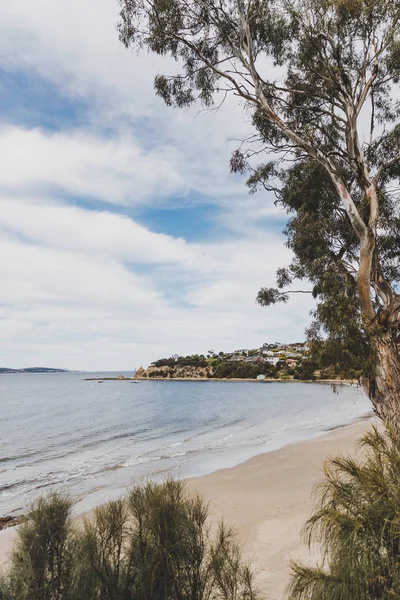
(267, 499)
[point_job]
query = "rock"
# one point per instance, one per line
(141, 374)
(9, 521)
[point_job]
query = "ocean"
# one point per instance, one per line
(93, 440)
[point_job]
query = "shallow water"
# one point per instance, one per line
(91, 439)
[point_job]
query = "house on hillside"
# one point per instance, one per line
(268, 352)
(254, 359)
(273, 360)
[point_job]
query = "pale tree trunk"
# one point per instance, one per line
(383, 387)
(383, 384)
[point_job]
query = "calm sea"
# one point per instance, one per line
(93, 440)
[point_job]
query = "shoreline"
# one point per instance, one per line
(266, 498)
(233, 379)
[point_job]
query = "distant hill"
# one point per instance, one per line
(33, 370)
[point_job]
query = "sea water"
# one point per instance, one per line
(93, 440)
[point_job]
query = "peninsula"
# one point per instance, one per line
(33, 370)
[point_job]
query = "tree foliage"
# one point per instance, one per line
(242, 370)
(153, 545)
(194, 360)
(323, 243)
(357, 522)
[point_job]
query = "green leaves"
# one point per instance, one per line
(357, 521)
(268, 296)
(154, 544)
(42, 560)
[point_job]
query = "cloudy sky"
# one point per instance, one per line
(123, 236)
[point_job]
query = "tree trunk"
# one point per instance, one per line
(383, 387)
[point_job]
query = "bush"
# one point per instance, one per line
(155, 544)
(305, 370)
(358, 524)
(42, 561)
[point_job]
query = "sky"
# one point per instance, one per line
(124, 238)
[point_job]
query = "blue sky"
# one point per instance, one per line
(124, 237)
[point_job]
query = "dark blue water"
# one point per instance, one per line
(91, 439)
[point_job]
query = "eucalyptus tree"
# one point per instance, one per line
(320, 79)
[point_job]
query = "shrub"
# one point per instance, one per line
(155, 544)
(358, 524)
(42, 560)
(103, 554)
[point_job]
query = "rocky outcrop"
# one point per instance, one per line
(141, 373)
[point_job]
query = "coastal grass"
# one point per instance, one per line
(155, 544)
(357, 523)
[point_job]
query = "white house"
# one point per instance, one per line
(273, 360)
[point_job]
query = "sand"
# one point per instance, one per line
(267, 499)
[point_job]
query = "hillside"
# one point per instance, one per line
(276, 361)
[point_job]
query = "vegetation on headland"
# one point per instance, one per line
(298, 361)
(155, 544)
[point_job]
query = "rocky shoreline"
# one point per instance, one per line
(8, 521)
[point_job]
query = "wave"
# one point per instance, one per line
(87, 446)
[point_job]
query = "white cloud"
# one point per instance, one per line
(72, 297)
(91, 233)
(75, 46)
(112, 169)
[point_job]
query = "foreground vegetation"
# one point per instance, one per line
(154, 545)
(157, 545)
(358, 525)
